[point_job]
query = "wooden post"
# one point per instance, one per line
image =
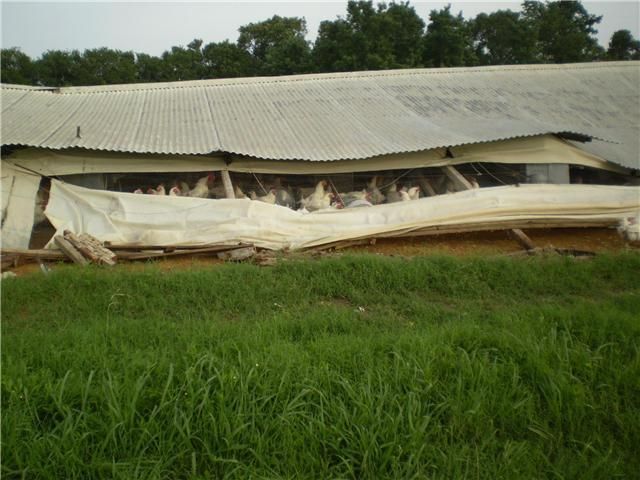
(226, 182)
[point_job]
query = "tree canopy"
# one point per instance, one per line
(368, 37)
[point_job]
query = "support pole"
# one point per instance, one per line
(458, 179)
(426, 185)
(226, 182)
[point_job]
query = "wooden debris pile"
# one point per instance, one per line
(84, 249)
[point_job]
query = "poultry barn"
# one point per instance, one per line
(300, 161)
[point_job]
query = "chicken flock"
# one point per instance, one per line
(321, 197)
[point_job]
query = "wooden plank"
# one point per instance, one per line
(161, 254)
(226, 182)
(140, 247)
(69, 250)
(44, 254)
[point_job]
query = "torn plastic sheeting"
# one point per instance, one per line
(19, 190)
(156, 220)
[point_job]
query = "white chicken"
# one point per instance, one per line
(268, 198)
(175, 192)
(349, 197)
(372, 187)
(413, 192)
(138, 191)
(284, 198)
(393, 195)
(201, 190)
(160, 190)
(184, 187)
(237, 191)
(629, 228)
(319, 199)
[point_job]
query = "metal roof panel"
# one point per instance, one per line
(336, 116)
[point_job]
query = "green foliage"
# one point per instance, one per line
(182, 63)
(276, 46)
(370, 39)
(565, 31)
(149, 68)
(16, 67)
(103, 66)
(448, 41)
(225, 60)
(57, 68)
(623, 46)
(358, 367)
(503, 38)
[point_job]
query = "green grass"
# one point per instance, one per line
(356, 367)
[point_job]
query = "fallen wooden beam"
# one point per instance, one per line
(47, 254)
(140, 247)
(195, 251)
(69, 250)
(43, 254)
(238, 254)
(91, 248)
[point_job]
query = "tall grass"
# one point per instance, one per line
(358, 367)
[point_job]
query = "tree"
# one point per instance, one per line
(57, 68)
(225, 60)
(448, 41)
(370, 39)
(103, 66)
(503, 38)
(332, 51)
(16, 67)
(276, 46)
(623, 46)
(404, 30)
(149, 68)
(182, 63)
(564, 31)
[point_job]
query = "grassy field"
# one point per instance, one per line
(356, 367)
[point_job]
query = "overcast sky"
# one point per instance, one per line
(152, 27)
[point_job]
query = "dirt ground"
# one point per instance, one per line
(596, 240)
(478, 243)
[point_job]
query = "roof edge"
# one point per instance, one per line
(323, 76)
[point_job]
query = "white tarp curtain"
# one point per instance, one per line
(156, 220)
(19, 189)
(538, 149)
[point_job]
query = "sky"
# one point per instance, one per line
(153, 27)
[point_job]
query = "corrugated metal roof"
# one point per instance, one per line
(336, 116)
